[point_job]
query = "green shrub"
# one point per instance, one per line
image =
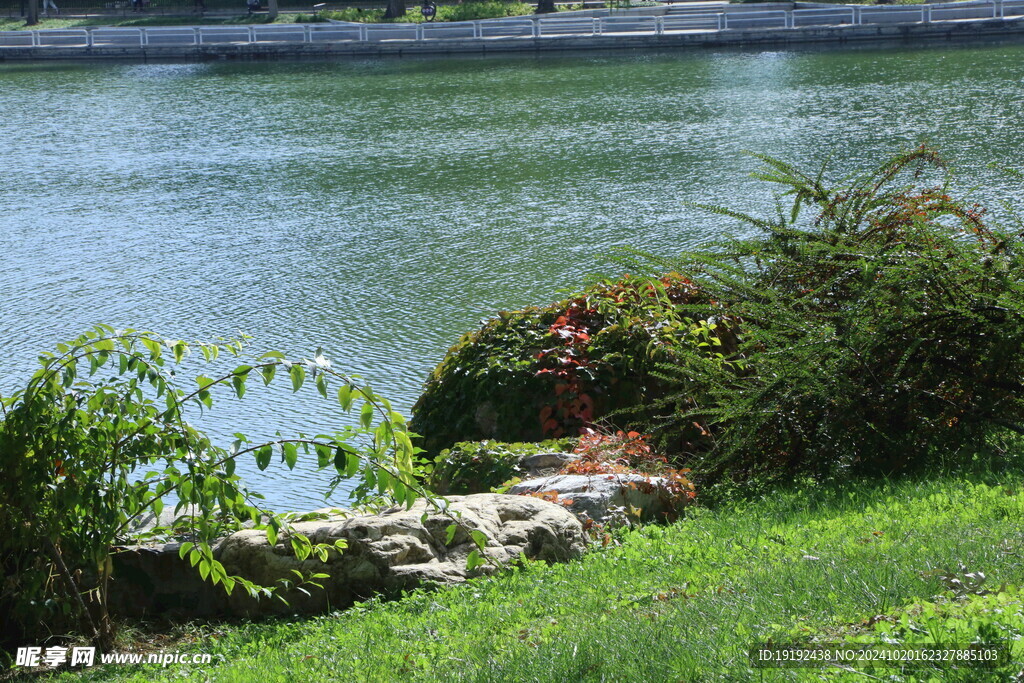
(553, 371)
(881, 332)
(467, 11)
(357, 14)
(479, 466)
(471, 11)
(101, 435)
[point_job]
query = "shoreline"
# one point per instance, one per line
(955, 31)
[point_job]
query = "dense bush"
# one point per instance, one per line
(552, 371)
(881, 331)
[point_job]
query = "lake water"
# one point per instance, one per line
(380, 208)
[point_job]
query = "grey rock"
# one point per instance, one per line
(595, 496)
(546, 464)
(387, 553)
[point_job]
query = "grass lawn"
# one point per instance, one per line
(683, 602)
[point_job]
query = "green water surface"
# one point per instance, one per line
(380, 208)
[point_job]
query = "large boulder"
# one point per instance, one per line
(387, 553)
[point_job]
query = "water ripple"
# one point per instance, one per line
(381, 208)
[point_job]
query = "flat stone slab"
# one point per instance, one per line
(598, 495)
(546, 464)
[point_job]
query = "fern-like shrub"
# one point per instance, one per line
(881, 330)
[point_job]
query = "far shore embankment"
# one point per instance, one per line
(775, 25)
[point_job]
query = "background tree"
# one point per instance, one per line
(396, 8)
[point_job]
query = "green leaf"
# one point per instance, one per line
(404, 443)
(298, 375)
(398, 491)
(153, 346)
(345, 397)
(239, 384)
(383, 435)
(352, 463)
(263, 455)
(366, 415)
(290, 451)
(268, 373)
(324, 455)
(479, 537)
(384, 479)
(449, 533)
(300, 546)
(216, 573)
(271, 536)
(185, 548)
(474, 560)
(321, 385)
